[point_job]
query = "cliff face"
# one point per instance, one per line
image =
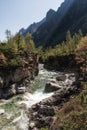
(16, 80)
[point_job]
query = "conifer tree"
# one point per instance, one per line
(29, 43)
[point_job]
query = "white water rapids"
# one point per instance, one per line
(21, 121)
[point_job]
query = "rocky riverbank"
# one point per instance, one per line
(41, 115)
(15, 80)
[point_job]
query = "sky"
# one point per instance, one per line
(17, 14)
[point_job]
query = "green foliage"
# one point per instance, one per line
(75, 121)
(14, 62)
(30, 47)
(14, 47)
(19, 41)
(44, 128)
(65, 48)
(73, 112)
(8, 34)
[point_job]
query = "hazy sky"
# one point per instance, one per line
(15, 14)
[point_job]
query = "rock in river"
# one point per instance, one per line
(51, 87)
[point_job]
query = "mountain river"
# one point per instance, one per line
(14, 111)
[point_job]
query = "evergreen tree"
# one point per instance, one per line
(19, 40)
(68, 41)
(8, 34)
(29, 43)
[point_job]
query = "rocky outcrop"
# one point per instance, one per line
(15, 80)
(60, 62)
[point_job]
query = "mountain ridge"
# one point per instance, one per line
(71, 15)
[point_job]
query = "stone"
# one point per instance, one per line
(52, 80)
(46, 110)
(13, 89)
(61, 78)
(51, 87)
(21, 90)
(31, 124)
(2, 111)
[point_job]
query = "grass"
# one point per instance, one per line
(73, 114)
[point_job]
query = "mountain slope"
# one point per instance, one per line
(75, 19)
(45, 30)
(32, 28)
(72, 15)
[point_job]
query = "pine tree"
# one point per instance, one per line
(29, 43)
(19, 40)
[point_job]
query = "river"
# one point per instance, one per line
(14, 112)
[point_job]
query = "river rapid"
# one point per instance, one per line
(14, 112)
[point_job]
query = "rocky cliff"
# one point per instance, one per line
(15, 80)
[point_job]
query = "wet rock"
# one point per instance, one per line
(52, 79)
(51, 87)
(2, 111)
(61, 78)
(21, 90)
(31, 125)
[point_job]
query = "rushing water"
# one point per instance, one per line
(15, 111)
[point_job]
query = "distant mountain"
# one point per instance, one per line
(43, 34)
(74, 19)
(32, 28)
(71, 15)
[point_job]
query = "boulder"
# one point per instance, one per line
(21, 90)
(51, 87)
